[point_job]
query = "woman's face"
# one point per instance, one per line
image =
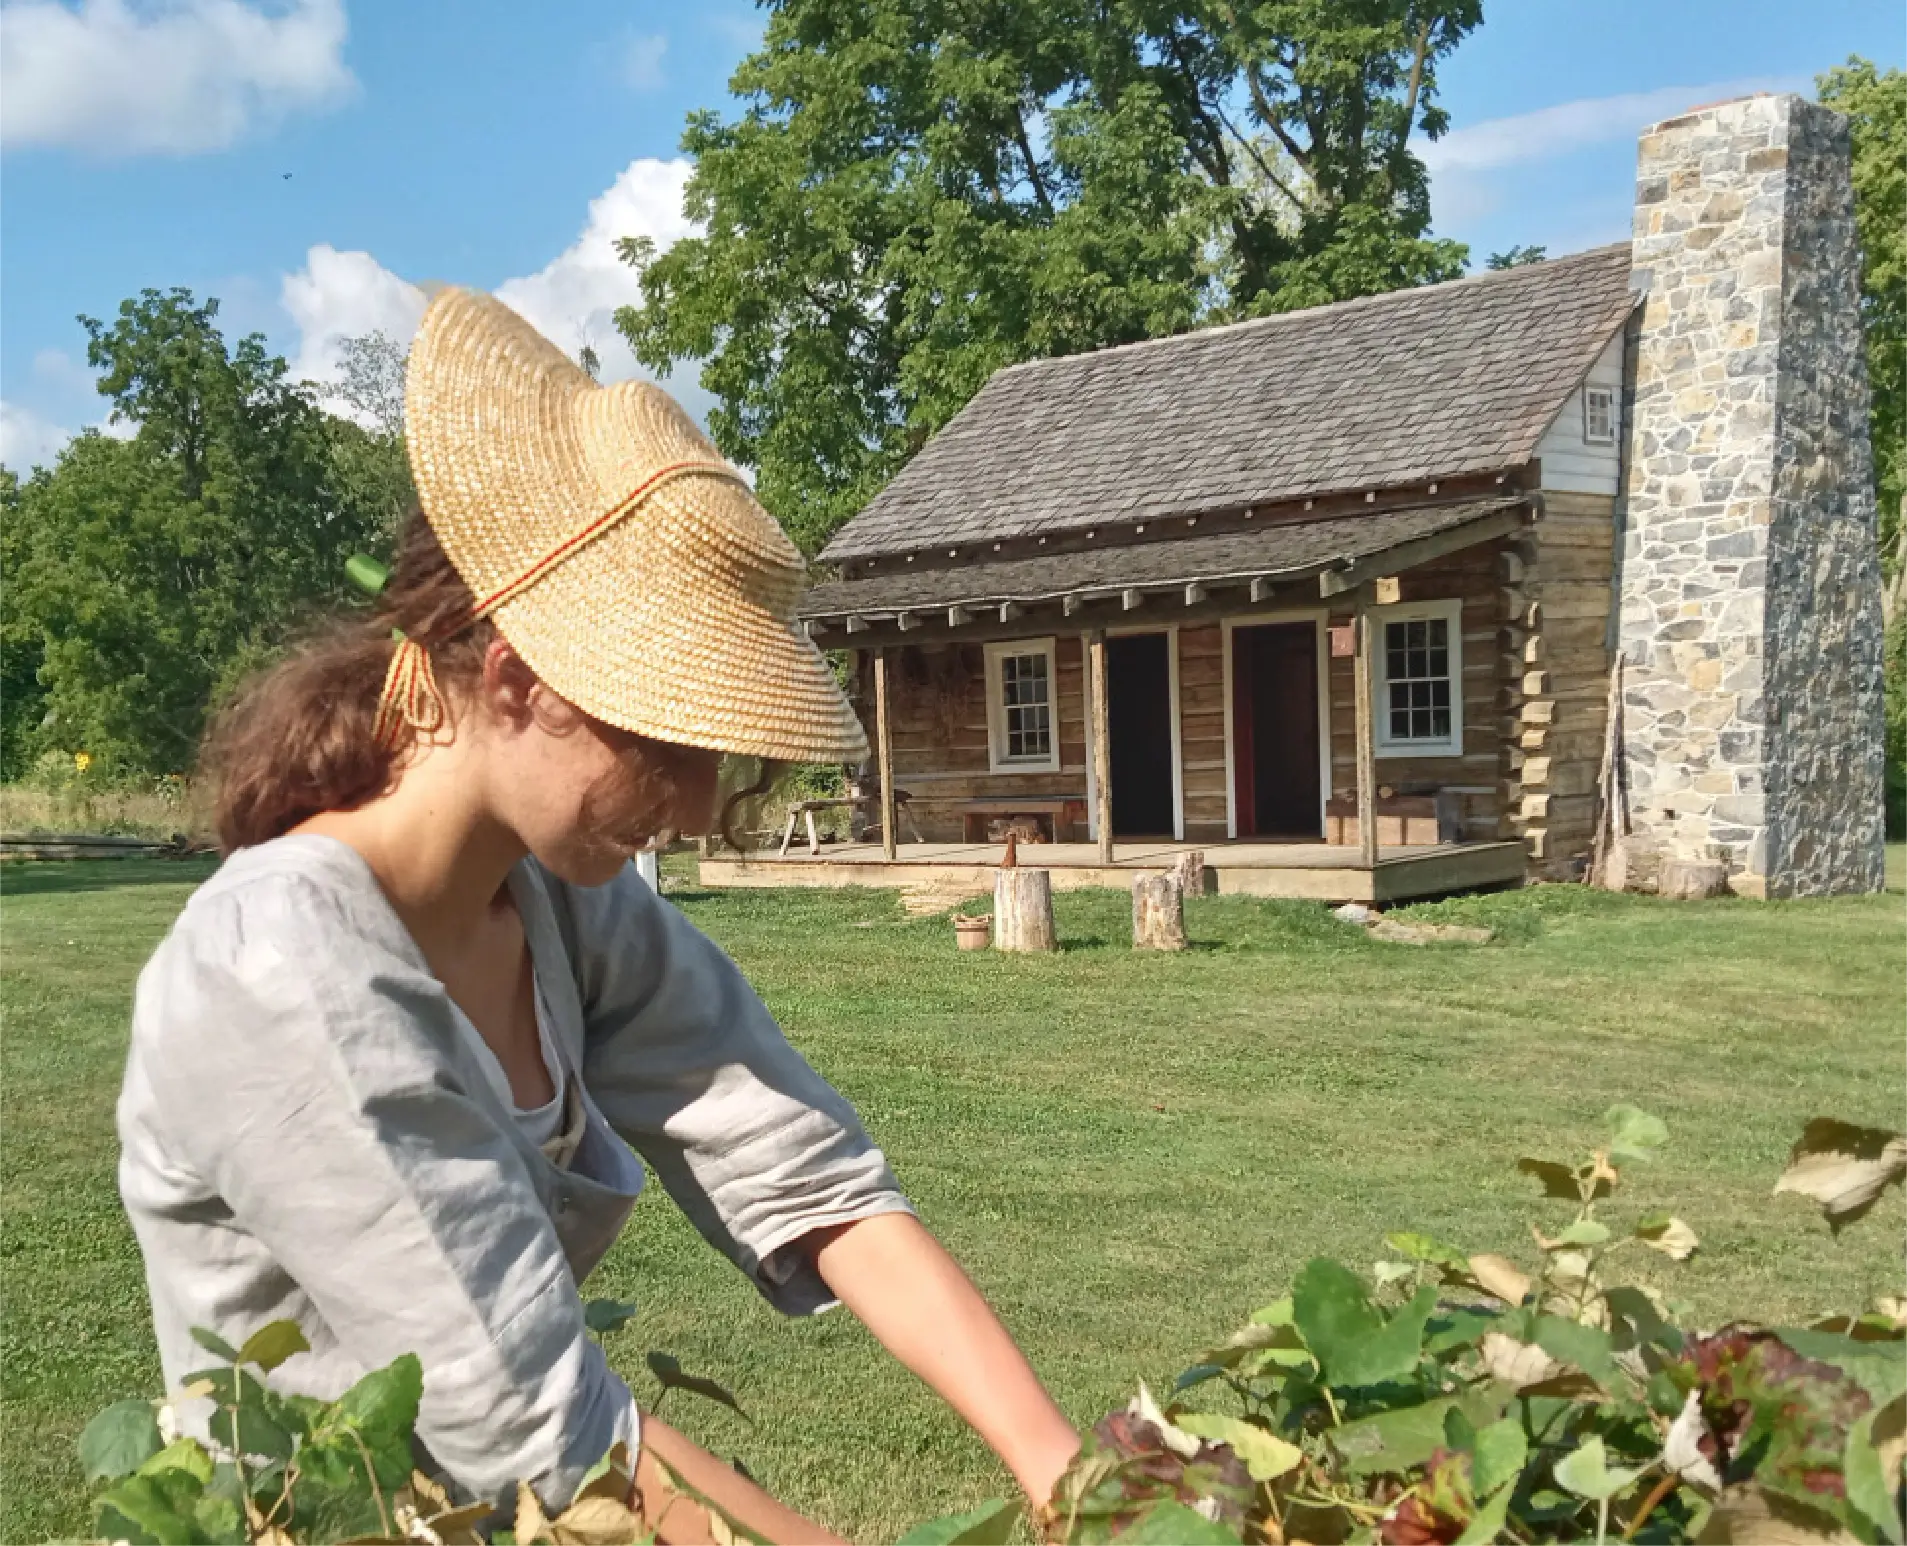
(583, 796)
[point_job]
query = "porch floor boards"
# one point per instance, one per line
(1322, 872)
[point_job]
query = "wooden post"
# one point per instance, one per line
(1158, 912)
(1366, 737)
(1023, 910)
(1102, 741)
(884, 742)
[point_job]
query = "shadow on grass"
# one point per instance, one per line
(46, 877)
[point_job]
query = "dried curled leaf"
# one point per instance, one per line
(1501, 1278)
(1516, 1363)
(597, 1522)
(531, 1522)
(1669, 1235)
(1844, 1168)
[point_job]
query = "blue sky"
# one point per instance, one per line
(492, 143)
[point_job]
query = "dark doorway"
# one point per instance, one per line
(1139, 705)
(1275, 731)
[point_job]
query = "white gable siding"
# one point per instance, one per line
(1570, 462)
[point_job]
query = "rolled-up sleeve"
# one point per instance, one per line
(308, 1083)
(690, 1068)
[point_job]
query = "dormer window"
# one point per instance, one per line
(1599, 416)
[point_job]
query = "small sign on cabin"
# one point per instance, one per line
(1344, 641)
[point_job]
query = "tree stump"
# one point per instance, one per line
(1690, 880)
(1190, 870)
(1023, 910)
(1158, 913)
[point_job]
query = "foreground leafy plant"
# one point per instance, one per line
(1464, 1398)
(280, 1469)
(1447, 1398)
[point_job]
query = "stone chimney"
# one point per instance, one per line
(1749, 582)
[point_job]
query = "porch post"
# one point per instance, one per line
(884, 749)
(1366, 738)
(1102, 742)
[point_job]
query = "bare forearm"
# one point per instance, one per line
(894, 1275)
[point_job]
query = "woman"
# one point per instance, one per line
(388, 1067)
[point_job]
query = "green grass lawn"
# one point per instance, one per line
(1128, 1152)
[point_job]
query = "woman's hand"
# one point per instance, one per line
(893, 1274)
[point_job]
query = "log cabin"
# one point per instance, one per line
(1448, 587)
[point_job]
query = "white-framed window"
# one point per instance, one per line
(1599, 415)
(1022, 707)
(1418, 694)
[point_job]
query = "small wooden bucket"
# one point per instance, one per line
(971, 932)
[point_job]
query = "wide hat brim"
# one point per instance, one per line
(677, 620)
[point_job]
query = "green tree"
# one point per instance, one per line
(1876, 104)
(1516, 257)
(144, 574)
(917, 192)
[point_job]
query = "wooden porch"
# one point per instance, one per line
(1317, 872)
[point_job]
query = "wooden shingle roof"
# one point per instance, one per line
(1382, 392)
(1279, 550)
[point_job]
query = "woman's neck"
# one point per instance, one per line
(438, 853)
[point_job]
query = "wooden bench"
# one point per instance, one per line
(806, 808)
(1057, 809)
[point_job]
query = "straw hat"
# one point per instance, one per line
(624, 560)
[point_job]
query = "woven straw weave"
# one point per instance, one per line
(677, 621)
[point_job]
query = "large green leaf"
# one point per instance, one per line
(1266, 1456)
(1877, 1367)
(1499, 1456)
(159, 1510)
(1486, 1529)
(991, 1524)
(119, 1440)
(1173, 1524)
(386, 1400)
(1634, 1134)
(1871, 1492)
(271, 1345)
(187, 1455)
(1587, 1473)
(1353, 1342)
(1583, 1347)
(1393, 1442)
(261, 1428)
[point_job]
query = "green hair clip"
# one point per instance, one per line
(367, 574)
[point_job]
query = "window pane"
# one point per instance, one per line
(1419, 679)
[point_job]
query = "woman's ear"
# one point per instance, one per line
(508, 684)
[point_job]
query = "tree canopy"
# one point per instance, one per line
(145, 574)
(917, 192)
(1876, 103)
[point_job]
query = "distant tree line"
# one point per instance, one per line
(145, 575)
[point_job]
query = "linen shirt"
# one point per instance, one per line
(307, 1133)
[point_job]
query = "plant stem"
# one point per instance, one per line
(1662, 1489)
(1602, 1521)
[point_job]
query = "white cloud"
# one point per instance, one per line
(642, 60)
(572, 300)
(27, 440)
(340, 295)
(187, 76)
(1469, 165)
(1571, 126)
